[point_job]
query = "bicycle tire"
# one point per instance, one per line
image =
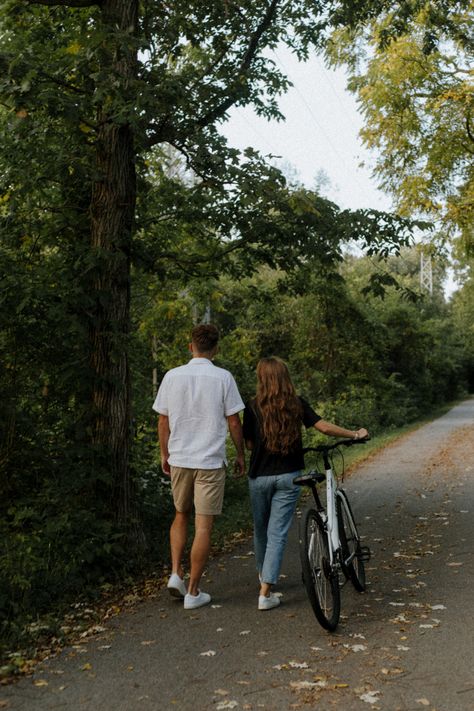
(350, 543)
(321, 583)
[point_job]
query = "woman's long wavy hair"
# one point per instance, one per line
(279, 409)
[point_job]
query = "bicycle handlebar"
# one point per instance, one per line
(343, 442)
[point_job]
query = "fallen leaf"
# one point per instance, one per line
(245, 632)
(423, 702)
(40, 682)
(356, 647)
(147, 642)
(87, 666)
(370, 697)
(209, 653)
(81, 650)
(298, 665)
(95, 629)
(226, 705)
(221, 692)
(399, 618)
(306, 684)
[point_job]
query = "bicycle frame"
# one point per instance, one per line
(329, 515)
(332, 527)
(329, 542)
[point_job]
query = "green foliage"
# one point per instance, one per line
(413, 79)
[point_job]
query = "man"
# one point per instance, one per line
(197, 403)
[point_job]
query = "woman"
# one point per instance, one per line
(272, 431)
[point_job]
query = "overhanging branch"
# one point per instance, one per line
(247, 59)
(157, 135)
(65, 3)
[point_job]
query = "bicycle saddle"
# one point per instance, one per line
(309, 478)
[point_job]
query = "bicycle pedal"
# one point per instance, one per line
(364, 554)
(309, 479)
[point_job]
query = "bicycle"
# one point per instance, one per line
(329, 541)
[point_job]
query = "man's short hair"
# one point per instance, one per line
(205, 337)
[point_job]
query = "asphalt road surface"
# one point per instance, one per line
(406, 644)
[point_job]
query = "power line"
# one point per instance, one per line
(308, 107)
(342, 159)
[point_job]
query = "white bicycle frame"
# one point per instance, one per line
(331, 520)
(334, 542)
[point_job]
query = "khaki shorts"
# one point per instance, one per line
(203, 487)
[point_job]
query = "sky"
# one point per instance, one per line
(321, 132)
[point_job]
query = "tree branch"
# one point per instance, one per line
(65, 3)
(468, 128)
(247, 59)
(157, 135)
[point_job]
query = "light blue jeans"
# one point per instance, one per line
(273, 500)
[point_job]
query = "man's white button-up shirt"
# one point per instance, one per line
(197, 398)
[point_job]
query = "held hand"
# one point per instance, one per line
(239, 465)
(165, 466)
(361, 433)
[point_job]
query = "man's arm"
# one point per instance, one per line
(163, 437)
(236, 433)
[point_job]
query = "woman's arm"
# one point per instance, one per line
(328, 428)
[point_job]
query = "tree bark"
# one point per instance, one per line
(112, 216)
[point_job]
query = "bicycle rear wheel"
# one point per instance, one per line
(322, 583)
(352, 563)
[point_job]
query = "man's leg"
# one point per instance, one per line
(200, 550)
(178, 536)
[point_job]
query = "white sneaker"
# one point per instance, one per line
(193, 601)
(267, 603)
(176, 586)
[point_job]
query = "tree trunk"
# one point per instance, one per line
(112, 215)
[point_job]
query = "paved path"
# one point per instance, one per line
(407, 644)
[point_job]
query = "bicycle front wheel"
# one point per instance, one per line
(352, 563)
(321, 582)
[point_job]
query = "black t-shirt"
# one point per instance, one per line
(265, 463)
